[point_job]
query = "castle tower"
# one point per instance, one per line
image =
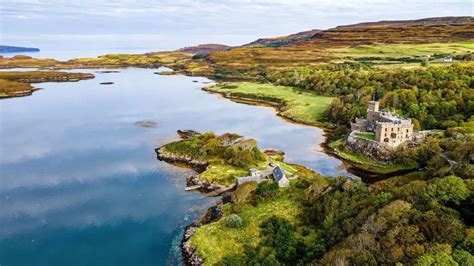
(373, 106)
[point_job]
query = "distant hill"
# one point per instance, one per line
(428, 30)
(283, 40)
(418, 22)
(204, 48)
(16, 49)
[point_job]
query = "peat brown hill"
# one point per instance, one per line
(283, 40)
(204, 48)
(429, 30)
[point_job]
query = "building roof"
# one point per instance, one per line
(395, 119)
(278, 173)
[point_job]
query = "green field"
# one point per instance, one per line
(215, 241)
(404, 50)
(300, 106)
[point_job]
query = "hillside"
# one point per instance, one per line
(428, 30)
(423, 21)
(16, 49)
(386, 44)
(204, 48)
(283, 40)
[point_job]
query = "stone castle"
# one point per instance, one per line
(384, 127)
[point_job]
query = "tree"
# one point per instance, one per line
(464, 258)
(279, 236)
(265, 191)
(436, 259)
(448, 189)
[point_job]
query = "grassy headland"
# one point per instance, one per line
(18, 83)
(220, 160)
(294, 104)
(216, 241)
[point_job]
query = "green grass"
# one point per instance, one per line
(365, 163)
(404, 50)
(222, 168)
(223, 174)
(300, 106)
(366, 135)
(214, 241)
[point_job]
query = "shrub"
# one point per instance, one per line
(265, 191)
(242, 195)
(234, 221)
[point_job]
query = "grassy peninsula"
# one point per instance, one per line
(220, 160)
(18, 83)
(294, 104)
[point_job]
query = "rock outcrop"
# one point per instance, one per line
(191, 256)
(369, 148)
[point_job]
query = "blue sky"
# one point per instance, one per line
(169, 24)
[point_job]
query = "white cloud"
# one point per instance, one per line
(257, 18)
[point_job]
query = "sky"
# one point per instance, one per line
(171, 24)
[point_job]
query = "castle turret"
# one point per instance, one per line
(373, 106)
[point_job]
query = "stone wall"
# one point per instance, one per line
(368, 148)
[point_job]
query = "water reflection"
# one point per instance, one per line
(80, 183)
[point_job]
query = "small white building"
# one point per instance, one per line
(274, 172)
(448, 59)
(280, 176)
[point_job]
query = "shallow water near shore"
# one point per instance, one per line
(80, 182)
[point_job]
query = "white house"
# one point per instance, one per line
(280, 176)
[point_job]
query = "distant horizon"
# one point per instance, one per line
(172, 24)
(178, 47)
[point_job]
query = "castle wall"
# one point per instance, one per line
(369, 148)
(393, 134)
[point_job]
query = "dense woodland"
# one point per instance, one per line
(418, 219)
(440, 97)
(401, 221)
(434, 97)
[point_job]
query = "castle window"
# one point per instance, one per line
(407, 130)
(392, 128)
(407, 136)
(385, 140)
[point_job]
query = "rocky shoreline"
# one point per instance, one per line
(211, 189)
(190, 254)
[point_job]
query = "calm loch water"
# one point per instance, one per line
(79, 180)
